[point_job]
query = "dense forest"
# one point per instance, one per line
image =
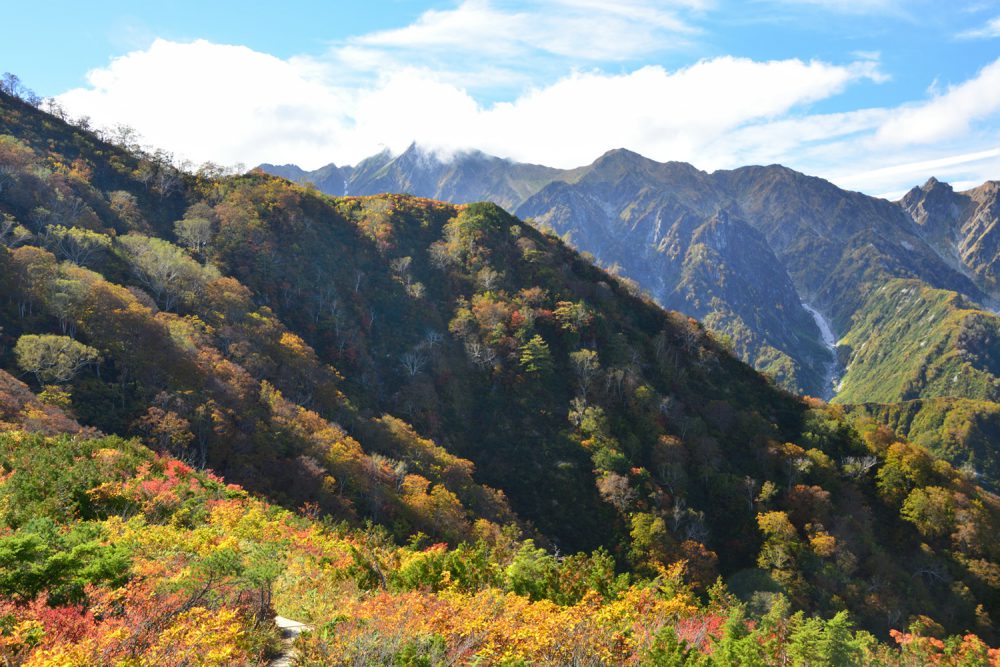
(455, 440)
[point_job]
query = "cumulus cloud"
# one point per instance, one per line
(229, 103)
(665, 115)
(207, 101)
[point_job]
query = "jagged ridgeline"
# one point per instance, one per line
(451, 375)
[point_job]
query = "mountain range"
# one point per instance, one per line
(832, 293)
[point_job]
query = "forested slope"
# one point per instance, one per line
(756, 253)
(448, 372)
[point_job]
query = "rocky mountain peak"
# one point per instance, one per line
(933, 203)
(619, 155)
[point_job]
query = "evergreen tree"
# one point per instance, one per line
(535, 356)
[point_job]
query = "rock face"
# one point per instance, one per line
(732, 280)
(740, 249)
(962, 226)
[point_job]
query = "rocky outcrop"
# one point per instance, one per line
(962, 226)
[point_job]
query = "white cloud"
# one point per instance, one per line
(664, 115)
(913, 171)
(228, 103)
(813, 142)
(475, 24)
(208, 101)
(584, 29)
(946, 115)
(953, 135)
(483, 44)
(988, 31)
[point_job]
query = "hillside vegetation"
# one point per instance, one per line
(916, 342)
(446, 402)
(958, 429)
(115, 555)
(744, 251)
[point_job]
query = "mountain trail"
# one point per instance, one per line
(290, 630)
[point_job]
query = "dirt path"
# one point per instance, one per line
(290, 629)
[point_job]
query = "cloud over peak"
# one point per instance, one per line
(230, 103)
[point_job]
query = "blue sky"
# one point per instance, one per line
(875, 94)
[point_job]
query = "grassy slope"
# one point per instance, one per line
(910, 341)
